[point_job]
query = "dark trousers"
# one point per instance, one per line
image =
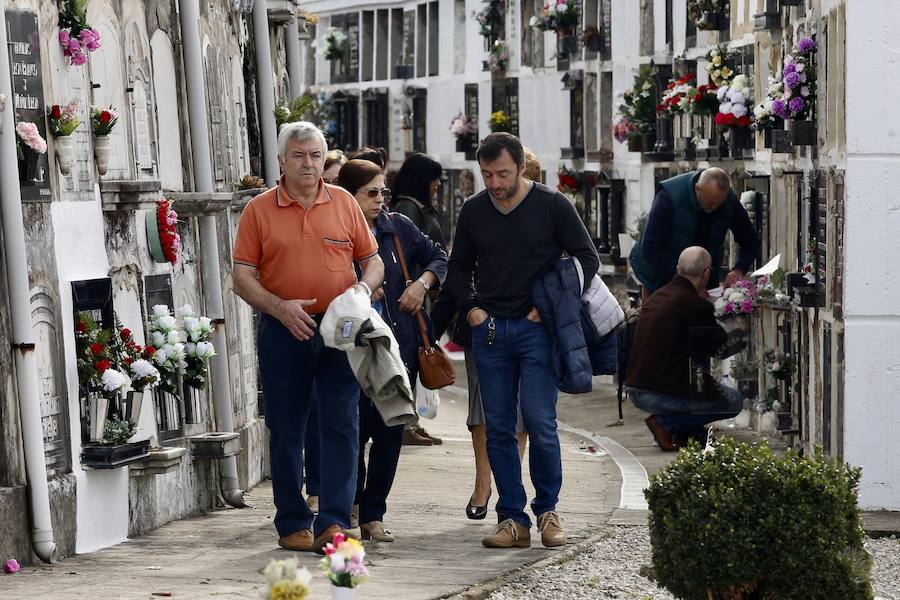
(311, 452)
(682, 416)
(296, 375)
(374, 484)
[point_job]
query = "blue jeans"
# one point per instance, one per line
(681, 415)
(295, 376)
(516, 370)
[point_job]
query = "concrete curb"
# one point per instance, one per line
(480, 591)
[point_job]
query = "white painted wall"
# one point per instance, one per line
(169, 155)
(102, 496)
(871, 283)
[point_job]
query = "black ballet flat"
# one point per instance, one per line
(477, 513)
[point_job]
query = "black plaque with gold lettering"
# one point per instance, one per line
(28, 99)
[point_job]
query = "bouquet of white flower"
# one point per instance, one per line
(170, 353)
(286, 581)
(198, 347)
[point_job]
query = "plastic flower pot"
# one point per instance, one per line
(803, 132)
(154, 243)
(635, 144)
(713, 21)
(739, 140)
(65, 152)
(782, 141)
(342, 593)
(28, 166)
(101, 153)
(663, 135)
(566, 44)
(464, 144)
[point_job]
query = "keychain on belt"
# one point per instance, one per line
(492, 331)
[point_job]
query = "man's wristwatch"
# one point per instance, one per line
(425, 284)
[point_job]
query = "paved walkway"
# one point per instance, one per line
(438, 552)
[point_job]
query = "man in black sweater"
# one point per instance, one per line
(514, 230)
(677, 327)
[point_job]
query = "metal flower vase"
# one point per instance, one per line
(343, 593)
(99, 406)
(101, 153)
(65, 153)
(131, 408)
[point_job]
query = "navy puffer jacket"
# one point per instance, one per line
(577, 350)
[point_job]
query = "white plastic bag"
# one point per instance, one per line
(427, 401)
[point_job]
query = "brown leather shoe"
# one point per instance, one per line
(318, 545)
(435, 440)
(299, 541)
(664, 439)
(550, 526)
(508, 534)
(411, 437)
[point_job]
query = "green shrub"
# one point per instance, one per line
(739, 522)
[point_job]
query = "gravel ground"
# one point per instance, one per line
(609, 570)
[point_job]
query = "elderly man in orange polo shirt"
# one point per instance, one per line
(294, 253)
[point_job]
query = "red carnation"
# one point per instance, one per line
(744, 121)
(125, 333)
(149, 351)
(102, 365)
(80, 327)
(136, 348)
(55, 112)
(96, 349)
(105, 117)
(127, 360)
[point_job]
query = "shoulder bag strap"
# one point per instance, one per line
(423, 329)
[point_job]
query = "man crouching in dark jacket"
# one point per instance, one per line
(677, 324)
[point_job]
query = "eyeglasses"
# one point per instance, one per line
(383, 191)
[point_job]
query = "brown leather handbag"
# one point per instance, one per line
(435, 369)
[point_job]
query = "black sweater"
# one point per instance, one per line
(512, 250)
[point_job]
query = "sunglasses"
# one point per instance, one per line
(383, 191)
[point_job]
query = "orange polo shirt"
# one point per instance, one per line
(304, 253)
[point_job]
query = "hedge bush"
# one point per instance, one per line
(737, 522)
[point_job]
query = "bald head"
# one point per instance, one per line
(693, 264)
(712, 188)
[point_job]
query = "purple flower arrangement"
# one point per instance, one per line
(798, 76)
(737, 300)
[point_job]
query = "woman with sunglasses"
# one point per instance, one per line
(397, 303)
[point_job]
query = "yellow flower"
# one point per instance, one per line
(288, 590)
(726, 72)
(349, 548)
(717, 60)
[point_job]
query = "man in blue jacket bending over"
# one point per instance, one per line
(693, 209)
(515, 229)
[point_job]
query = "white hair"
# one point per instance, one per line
(301, 131)
(714, 175)
(693, 261)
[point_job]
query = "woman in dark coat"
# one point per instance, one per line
(398, 304)
(414, 188)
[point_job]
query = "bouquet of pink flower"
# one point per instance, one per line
(31, 137)
(343, 562)
(76, 36)
(736, 301)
